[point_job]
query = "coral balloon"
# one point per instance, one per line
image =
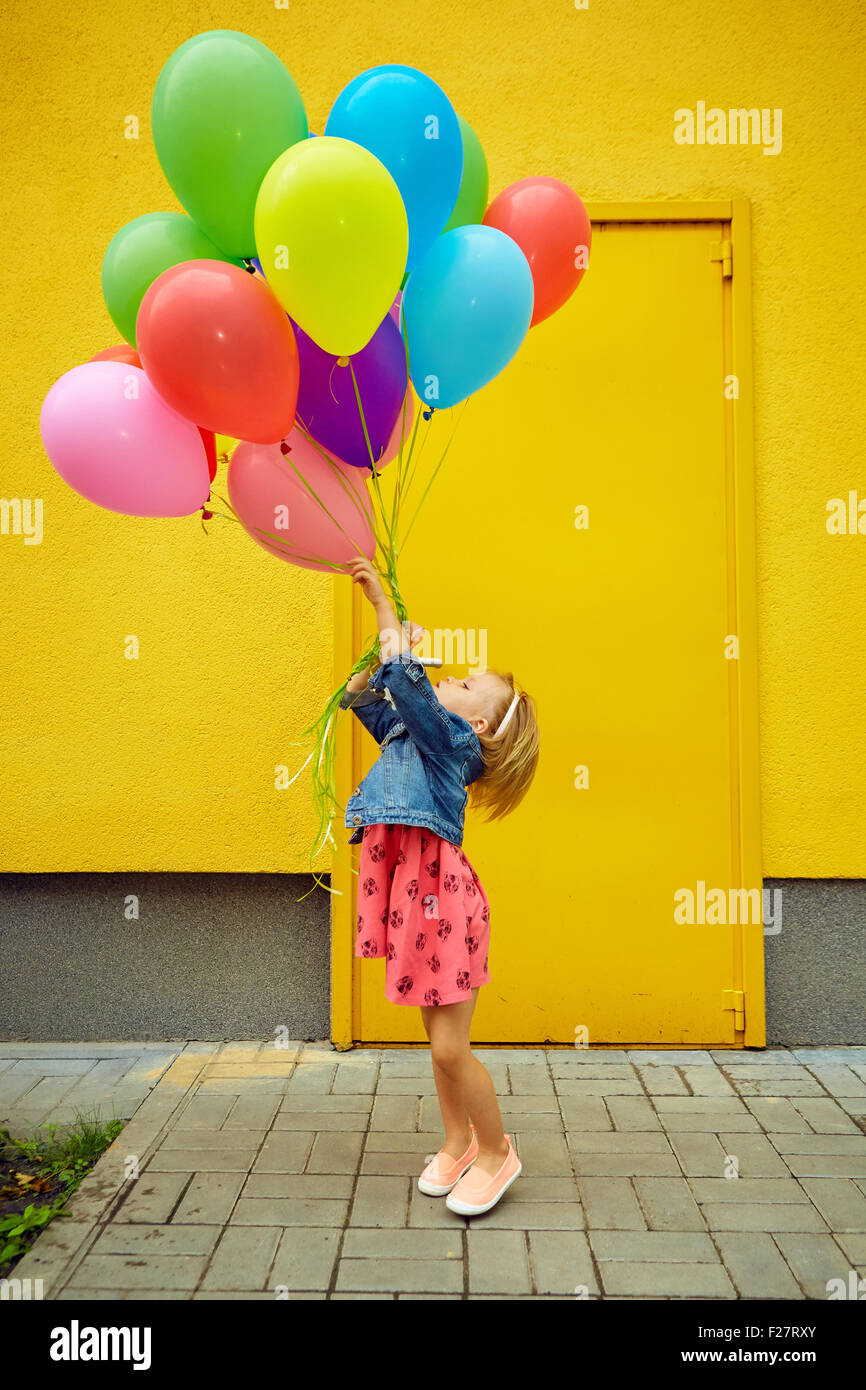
(280, 513)
(552, 228)
(116, 442)
(218, 347)
(332, 236)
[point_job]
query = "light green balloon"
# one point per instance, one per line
(471, 202)
(224, 108)
(141, 251)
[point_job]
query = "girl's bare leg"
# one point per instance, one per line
(455, 1116)
(466, 1085)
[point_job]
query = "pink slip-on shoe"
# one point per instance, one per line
(443, 1172)
(477, 1191)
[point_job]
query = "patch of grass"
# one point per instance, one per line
(38, 1175)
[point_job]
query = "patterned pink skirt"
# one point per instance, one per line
(422, 908)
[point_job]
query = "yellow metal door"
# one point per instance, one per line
(584, 526)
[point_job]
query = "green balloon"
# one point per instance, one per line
(471, 202)
(141, 251)
(224, 108)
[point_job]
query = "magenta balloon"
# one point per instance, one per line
(328, 406)
(116, 442)
(267, 493)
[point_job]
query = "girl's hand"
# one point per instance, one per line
(393, 640)
(364, 573)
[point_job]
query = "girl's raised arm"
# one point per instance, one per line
(392, 639)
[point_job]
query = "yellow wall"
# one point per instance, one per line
(168, 762)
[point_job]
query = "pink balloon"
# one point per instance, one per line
(267, 493)
(116, 442)
(392, 448)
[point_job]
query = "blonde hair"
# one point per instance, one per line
(510, 759)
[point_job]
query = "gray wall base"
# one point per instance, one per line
(211, 956)
(235, 956)
(815, 968)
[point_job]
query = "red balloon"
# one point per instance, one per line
(209, 443)
(220, 350)
(122, 353)
(552, 228)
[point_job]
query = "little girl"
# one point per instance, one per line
(420, 903)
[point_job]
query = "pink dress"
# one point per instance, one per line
(422, 907)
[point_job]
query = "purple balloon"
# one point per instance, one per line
(327, 405)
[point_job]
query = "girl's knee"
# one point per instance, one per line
(449, 1052)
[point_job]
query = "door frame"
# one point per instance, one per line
(748, 945)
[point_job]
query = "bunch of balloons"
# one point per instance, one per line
(310, 279)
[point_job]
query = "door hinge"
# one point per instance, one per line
(735, 999)
(723, 251)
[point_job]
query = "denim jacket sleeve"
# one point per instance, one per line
(436, 732)
(375, 712)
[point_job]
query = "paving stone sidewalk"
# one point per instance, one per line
(251, 1172)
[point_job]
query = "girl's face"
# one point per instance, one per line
(469, 696)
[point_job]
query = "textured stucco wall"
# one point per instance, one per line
(168, 762)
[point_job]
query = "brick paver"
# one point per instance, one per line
(57, 1082)
(266, 1172)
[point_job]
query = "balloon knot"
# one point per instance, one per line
(205, 514)
(285, 448)
(248, 265)
(342, 361)
(428, 413)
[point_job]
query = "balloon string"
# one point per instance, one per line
(435, 471)
(327, 510)
(414, 460)
(324, 729)
(356, 501)
(388, 551)
(404, 477)
(331, 378)
(280, 540)
(399, 482)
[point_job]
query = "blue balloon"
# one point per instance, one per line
(402, 117)
(465, 311)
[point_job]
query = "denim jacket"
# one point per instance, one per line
(428, 755)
